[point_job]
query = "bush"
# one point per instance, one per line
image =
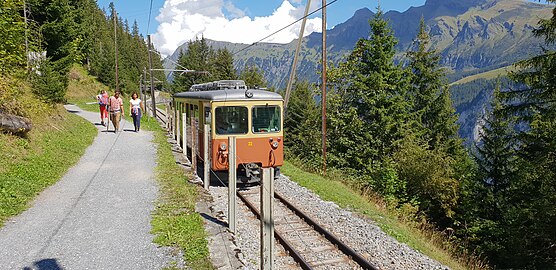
(50, 82)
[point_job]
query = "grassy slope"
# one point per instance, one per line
(491, 74)
(30, 164)
(331, 190)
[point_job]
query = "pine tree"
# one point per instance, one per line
(301, 122)
(253, 77)
(530, 212)
(373, 106)
(432, 102)
(223, 65)
(197, 57)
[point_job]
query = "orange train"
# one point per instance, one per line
(253, 116)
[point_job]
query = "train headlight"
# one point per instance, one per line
(274, 144)
(222, 146)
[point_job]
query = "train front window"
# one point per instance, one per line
(231, 120)
(266, 119)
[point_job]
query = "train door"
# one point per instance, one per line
(198, 134)
(206, 121)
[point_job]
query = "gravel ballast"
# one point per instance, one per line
(359, 233)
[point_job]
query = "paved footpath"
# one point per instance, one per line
(97, 216)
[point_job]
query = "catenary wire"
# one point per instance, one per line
(283, 28)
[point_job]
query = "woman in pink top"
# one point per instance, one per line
(102, 99)
(116, 108)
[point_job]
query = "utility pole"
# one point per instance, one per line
(294, 65)
(115, 47)
(324, 87)
(26, 38)
(151, 74)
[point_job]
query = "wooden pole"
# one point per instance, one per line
(232, 184)
(267, 219)
(324, 87)
(116, 49)
(294, 65)
(151, 74)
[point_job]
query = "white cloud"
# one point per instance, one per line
(183, 20)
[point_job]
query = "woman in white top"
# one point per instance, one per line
(135, 108)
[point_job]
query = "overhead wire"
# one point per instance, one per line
(283, 28)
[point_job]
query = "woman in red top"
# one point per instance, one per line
(102, 99)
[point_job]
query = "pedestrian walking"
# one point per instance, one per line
(136, 108)
(116, 105)
(102, 99)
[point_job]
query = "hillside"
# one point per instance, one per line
(470, 35)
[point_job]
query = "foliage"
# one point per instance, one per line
(253, 77)
(302, 120)
(508, 212)
(205, 63)
(50, 82)
(370, 97)
(12, 34)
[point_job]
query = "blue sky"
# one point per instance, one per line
(174, 22)
(337, 12)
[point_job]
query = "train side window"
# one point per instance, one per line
(266, 119)
(231, 120)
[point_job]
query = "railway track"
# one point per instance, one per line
(310, 245)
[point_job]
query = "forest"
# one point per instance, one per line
(391, 127)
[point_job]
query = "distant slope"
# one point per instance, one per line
(488, 75)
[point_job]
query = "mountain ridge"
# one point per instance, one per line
(469, 35)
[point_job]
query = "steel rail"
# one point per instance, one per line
(289, 248)
(328, 235)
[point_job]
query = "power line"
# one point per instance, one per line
(282, 29)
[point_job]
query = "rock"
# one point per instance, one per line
(14, 124)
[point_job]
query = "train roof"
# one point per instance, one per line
(230, 95)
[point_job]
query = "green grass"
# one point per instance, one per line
(175, 222)
(346, 197)
(491, 74)
(31, 164)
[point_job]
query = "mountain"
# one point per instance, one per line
(470, 35)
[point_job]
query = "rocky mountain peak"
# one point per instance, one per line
(455, 3)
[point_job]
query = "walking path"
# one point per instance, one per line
(97, 216)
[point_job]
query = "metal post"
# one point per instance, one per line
(151, 74)
(324, 87)
(184, 129)
(206, 166)
(232, 183)
(193, 146)
(267, 219)
(176, 122)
